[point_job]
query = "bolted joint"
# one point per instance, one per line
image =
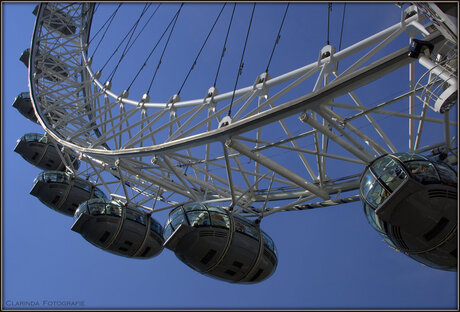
(304, 117)
(144, 99)
(108, 85)
(261, 79)
(209, 98)
(227, 120)
(327, 51)
(124, 94)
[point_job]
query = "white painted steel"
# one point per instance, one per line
(141, 156)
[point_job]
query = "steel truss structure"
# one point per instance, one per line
(160, 155)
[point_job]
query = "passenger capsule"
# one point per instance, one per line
(38, 150)
(57, 70)
(412, 202)
(216, 243)
(120, 229)
(56, 20)
(62, 192)
(24, 58)
(24, 105)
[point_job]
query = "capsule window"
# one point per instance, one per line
(211, 253)
(168, 231)
(193, 207)
(377, 195)
(409, 157)
(113, 210)
(268, 241)
(198, 218)
(177, 221)
(256, 275)
(104, 237)
(156, 227)
(366, 183)
(237, 264)
(97, 208)
(389, 171)
(447, 174)
(423, 171)
(245, 228)
(136, 216)
(219, 220)
(175, 213)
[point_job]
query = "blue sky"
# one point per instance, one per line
(328, 258)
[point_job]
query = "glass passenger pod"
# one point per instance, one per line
(24, 105)
(57, 70)
(214, 242)
(62, 192)
(24, 58)
(56, 20)
(121, 229)
(38, 150)
(412, 202)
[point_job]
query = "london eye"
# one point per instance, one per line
(240, 139)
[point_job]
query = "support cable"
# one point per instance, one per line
(329, 9)
(240, 68)
(277, 38)
(142, 30)
(341, 31)
(126, 49)
(202, 47)
(123, 40)
(166, 45)
(225, 43)
(111, 18)
(153, 50)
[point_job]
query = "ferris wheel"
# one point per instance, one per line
(223, 160)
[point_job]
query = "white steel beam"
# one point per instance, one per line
(282, 171)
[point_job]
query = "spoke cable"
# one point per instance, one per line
(142, 30)
(224, 47)
(240, 69)
(121, 42)
(329, 9)
(109, 20)
(166, 45)
(341, 31)
(277, 38)
(153, 50)
(202, 47)
(128, 46)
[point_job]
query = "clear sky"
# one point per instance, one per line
(328, 258)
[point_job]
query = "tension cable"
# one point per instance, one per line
(240, 69)
(166, 45)
(202, 47)
(109, 20)
(225, 43)
(329, 9)
(277, 38)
